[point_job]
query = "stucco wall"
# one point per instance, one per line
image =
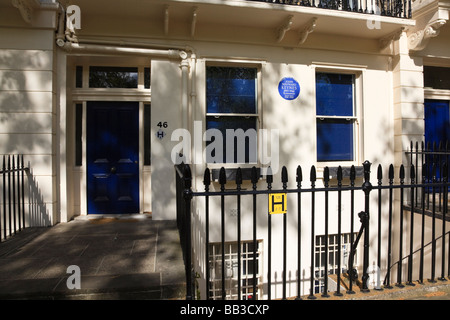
(27, 111)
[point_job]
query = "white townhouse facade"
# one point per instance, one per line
(102, 97)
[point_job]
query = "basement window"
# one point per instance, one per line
(333, 257)
(232, 271)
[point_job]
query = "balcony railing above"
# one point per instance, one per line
(389, 8)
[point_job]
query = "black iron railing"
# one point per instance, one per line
(12, 214)
(22, 203)
(390, 8)
(183, 179)
(371, 240)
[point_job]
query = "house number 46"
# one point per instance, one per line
(162, 124)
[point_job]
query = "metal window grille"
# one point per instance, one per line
(231, 270)
(333, 255)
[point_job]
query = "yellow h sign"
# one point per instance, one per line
(277, 203)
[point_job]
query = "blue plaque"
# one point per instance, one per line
(289, 88)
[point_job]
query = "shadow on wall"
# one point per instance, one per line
(38, 213)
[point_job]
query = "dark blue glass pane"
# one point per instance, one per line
(436, 77)
(113, 77)
(79, 77)
(244, 144)
(147, 78)
(230, 90)
(437, 123)
(334, 94)
(334, 140)
(437, 131)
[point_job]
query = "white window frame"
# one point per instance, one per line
(258, 115)
(215, 263)
(319, 248)
(358, 100)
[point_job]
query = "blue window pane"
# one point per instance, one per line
(334, 140)
(334, 94)
(230, 90)
(244, 144)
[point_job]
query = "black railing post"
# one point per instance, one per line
(339, 262)
(19, 196)
(400, 246)
(254, 179)
(238, 188)
(187, 196)
(299, 179)
(313, 184)
(433, 226)
(422, 236)
(444, 211)
(269, 180)
(411, 232)
(284, 180)
(9, 196)
(387, 284)
(380, 183)
(13, 175)
(207, 183)
(23, 191)
(4, 197)
(326, 179)
(352, 227)
(222, 182)
(367, 187)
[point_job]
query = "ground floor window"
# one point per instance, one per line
(333, 255)
(232, 109)
(248, 268)
(336, 116)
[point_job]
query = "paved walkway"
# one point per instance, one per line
(120, 257)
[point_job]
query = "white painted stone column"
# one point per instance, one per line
(408, 100)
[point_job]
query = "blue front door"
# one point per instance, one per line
(437, 130)
(437, 121)
(112, 157)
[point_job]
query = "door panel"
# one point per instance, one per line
(113, 157)
(437, 130)
(437, 121)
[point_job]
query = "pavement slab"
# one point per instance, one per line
(126, 256)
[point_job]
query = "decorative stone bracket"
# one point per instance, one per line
(303, 33)
(307, 29)
(418, 40)
(286, 26)
(26, 8)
